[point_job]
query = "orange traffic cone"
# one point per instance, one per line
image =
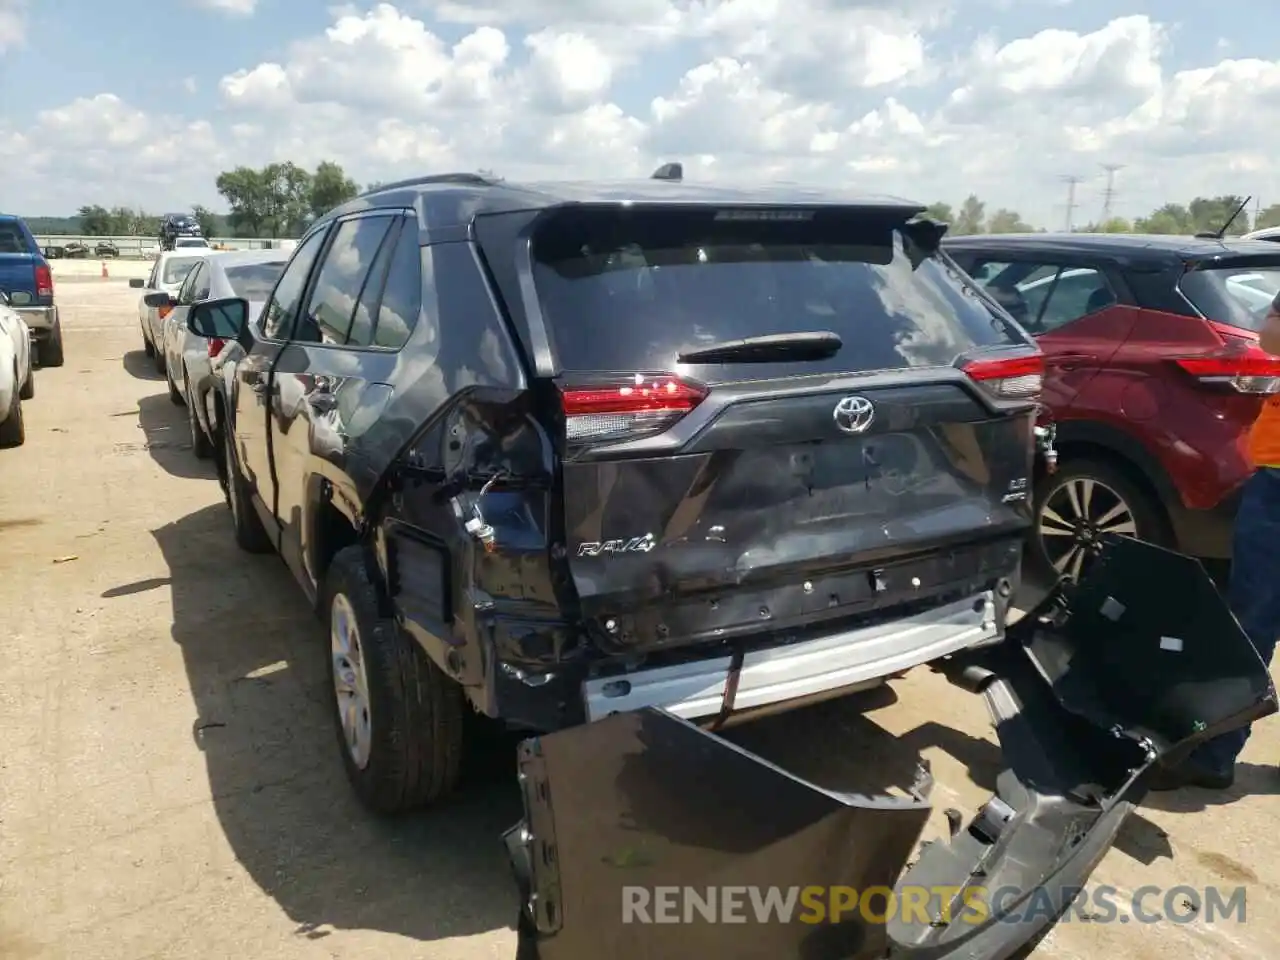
(104, 270)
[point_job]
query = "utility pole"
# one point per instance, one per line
(1071, 181)
(1110, 194)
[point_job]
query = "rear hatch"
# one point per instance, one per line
(1234, 294)
(24, 275)
(642, 832)
(776, 418)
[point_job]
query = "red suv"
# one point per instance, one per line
(1153, 376)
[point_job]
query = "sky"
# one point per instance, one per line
(144, 103)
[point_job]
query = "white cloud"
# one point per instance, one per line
(13, 23)
(875, 93)
(237, 8)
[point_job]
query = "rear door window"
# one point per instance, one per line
(631, 291)
(1045, 296)
(402, 298)
(342, 276)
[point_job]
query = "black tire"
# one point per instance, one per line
(175, 395)
(200, 444)
(414, 712)
(28, 390)
(162, 367)
(50, 351)
(13, 432)
(251, 536)
(1108, 488)
(148, 347)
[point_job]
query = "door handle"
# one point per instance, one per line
(1069, 361)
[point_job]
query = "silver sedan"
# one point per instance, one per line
(250, 275)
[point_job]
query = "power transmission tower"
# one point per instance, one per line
(1109, 194)
(1071, 181)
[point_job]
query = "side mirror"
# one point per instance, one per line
(158, 299)
(224, 319)
(137, 283)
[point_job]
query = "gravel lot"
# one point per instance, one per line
(171, 787)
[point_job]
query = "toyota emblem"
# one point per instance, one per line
(854, 414)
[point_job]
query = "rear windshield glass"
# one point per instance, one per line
(253, 281)
(629, 292)
(177, 268)
(12, 239)
(1238, 296)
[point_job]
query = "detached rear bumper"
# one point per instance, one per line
(40, 320)
(1137, 665)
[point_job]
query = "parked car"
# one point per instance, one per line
(836, 492)
(174, 226)
(167, 274)
(106, 248)
(249, 275)
(191, 243)
(602, 459)
(76, 250)
(1266, 233)
(26, 278)
(17, 379)
(1153, 376)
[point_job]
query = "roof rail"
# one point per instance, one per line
(669, 171)
(473, 179)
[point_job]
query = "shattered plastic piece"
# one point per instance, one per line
(1171, 643)
(1112, 608)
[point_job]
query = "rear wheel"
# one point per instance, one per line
(147, 346)
(29, 387)
(13, 432)
(200, 444)
(175, 395)
(251, 536)
(399, 719)
(1082, 502)
(50, 351)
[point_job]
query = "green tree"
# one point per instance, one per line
(1008, 221)
(95, 220)
(207, 219)
(245, 191)
(1173, 219)
(330, 187)
(1209, 214)
(972, 218)
(940, 211)
(1268, 217)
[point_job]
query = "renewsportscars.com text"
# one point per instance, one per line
(1101, 904)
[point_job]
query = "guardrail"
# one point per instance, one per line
(142, 248)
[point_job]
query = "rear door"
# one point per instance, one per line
(1073, 307)
(334, 357)
(712, 495)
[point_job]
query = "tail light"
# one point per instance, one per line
(628, 407)
(44, 281)
(164, 311)
(215, 346)
(1009, 378)
(1247, 369)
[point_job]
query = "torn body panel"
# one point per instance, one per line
(648, 800)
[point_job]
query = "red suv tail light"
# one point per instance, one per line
(627, 407)
(44, 281)
(1010, 378)
(1247, 369)
(215, 346)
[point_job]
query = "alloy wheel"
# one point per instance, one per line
(1074, 519)
(350, 685)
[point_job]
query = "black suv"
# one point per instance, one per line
(174, 225)
(599, 460)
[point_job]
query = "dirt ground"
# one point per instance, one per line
(171, 786)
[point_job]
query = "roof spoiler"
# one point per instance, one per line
(669, 171)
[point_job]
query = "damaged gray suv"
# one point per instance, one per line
(620, 463)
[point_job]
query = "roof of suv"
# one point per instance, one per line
(454, 199)
(1126, 246)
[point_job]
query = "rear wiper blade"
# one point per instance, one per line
(775, 347)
